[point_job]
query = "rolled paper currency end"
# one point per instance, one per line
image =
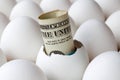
(56, 33)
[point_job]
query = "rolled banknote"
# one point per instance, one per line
(56, 32)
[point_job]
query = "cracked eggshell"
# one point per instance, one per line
(6, 6)
(96, 37)
(26, 8)
(21, 70)
(3, 23)
(106, 66)
(82, 10)
(113, 23)
(63, 67)
(109, 6)
(22, 39)
(50, 5)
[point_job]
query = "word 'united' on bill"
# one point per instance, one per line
(57, 33)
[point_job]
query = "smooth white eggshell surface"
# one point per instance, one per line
(113, 23)
(82, 10)
(6, 6)
(63, 67)
(50, 5)
(19, 0)
(21, 39)
(26, 8)
(104, 67)
(72, 1)
(96, 37)
(3, 23)
(37, 1)
(3, 58)
(21, 70)
(109, 6)
(73, 26)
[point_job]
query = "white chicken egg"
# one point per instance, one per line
(83, 10)
(3, 58)
(37, 1)
(50, 5)
(19, 0)
(114, 23)
(72, 1)
(73, 26)
(21, 70)
(63, 67)
(109, 6)
(104, 67)
(3, 22)
(22, 39)
(96, 37)
(6, 6)
(26, 8)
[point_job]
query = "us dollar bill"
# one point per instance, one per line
(56, 33)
